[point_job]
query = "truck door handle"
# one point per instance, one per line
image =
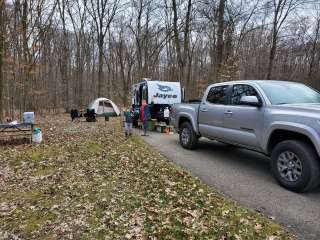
(228, 112)
(204, 110)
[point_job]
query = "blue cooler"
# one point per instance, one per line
(28, 117)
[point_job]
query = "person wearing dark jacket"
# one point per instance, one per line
(74, 114)
(128, 120)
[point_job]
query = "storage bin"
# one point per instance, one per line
(37, 136)
(28, 117)
(160, 128)
(151, 125)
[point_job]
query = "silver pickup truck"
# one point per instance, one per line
(278, 118)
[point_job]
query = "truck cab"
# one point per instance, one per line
(223, 114)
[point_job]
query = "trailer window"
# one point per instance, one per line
(144, 93)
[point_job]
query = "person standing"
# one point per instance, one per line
(166, 115)
(128, 120)
(144, 116)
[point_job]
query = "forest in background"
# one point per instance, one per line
(61, 54)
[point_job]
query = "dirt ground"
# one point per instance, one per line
(87, 181)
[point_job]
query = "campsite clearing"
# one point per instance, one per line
(88, 181)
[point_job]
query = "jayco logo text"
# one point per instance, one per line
(165, 96)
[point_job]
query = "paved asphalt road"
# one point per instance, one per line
(245, 177)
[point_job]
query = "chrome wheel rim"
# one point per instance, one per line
(185, 136)
(289, 166)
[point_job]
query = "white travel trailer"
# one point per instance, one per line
(158, 94)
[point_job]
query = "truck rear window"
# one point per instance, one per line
(218, 94)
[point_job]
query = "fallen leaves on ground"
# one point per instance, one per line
(87, 181)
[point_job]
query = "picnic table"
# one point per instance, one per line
(18, 129)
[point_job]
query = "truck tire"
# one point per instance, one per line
(188, 138)
(295, 165)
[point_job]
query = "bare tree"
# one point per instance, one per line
(220, 31)
(64, 52)
(62, 6)
(102, 13)
(182, 51)
(78, 15)
(2, 30)
(315, 48)
(281, 10)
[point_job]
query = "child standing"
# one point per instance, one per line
(128, 120)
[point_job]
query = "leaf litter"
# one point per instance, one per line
(87, 181)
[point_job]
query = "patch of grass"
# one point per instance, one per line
(41, 154)
(34, 222)
(94, 148)
(33, 156)
(19, 194)
(44, 171)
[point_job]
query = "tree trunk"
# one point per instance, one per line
(219, 47)
(183, 54)
(272, 56)
(100, 68)
(177, 39)
(65, 57)
(314, 50)
(64, 72)
(187, 60)
(26, 69)
(2, 28)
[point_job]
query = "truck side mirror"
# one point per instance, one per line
(250, 101)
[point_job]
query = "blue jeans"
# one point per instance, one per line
(128, 128)
(145, 126)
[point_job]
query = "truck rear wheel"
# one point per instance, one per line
(188, 138)
(295, 165)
